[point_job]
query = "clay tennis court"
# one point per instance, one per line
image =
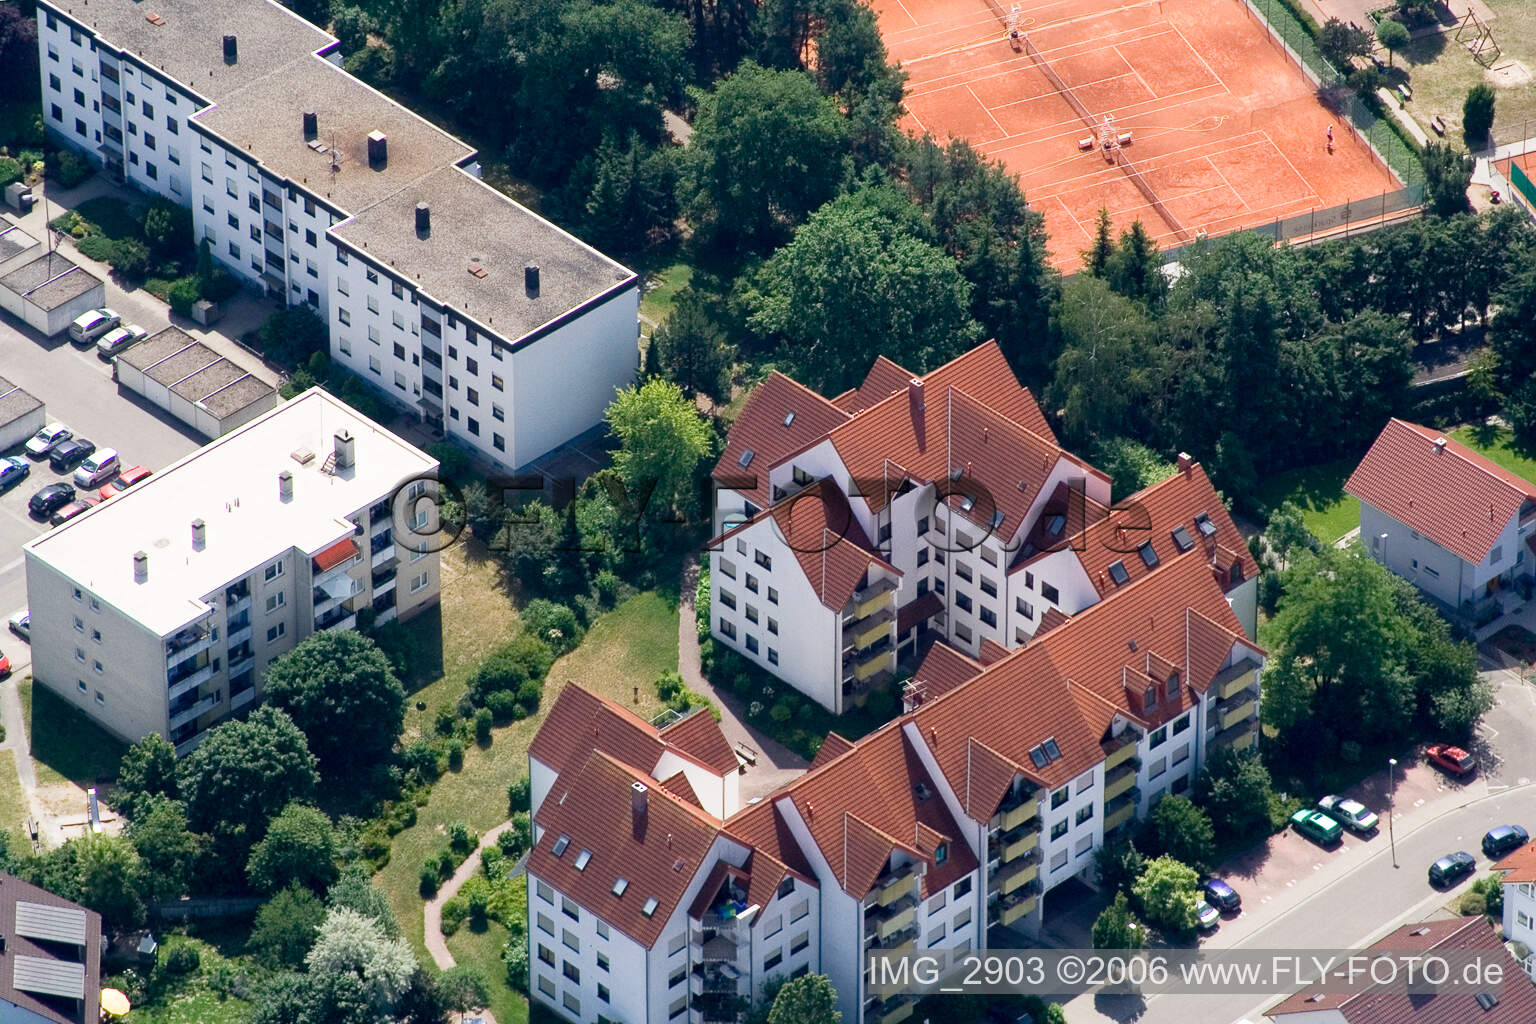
(1225, 131)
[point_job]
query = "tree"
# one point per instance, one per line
(168, 227)
(1130, 464)
(662, 441)
(109, 877)
(343, 694)
(1341, 42)
(351, 25)
(241, 776)
(1135, 268)
(286, 927)
(1393, 35)
(1119, 864)
(1287, 531)
(298, 849)
(736, 184)
(463, 988)
(316, 11)
(1447, 175)
(355, 890)
(167, 848)
(315, 998)
(1183, 831)
(352, 943)
(1096, 256)
(1477, 115)
(1116, 927)
(692, 350)
(632, 199)
(1416, 10)
(857, 278)
(1168, 895)
(808, 999)
(1235, 789)
(1107, 362)
(290, 336)
(147, 770)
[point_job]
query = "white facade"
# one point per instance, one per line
(158, 610)
(1520, 919)
(1438, 572)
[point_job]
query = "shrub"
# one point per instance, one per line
(421, 760)
(429, 879)
(461, 838)
(289, 336)
(483, 719)
(553, 623)
(97, 247)
(1477, 115)
(455, 754)
(516, 838)
(70, 168)
(490, 860)
(182, 294)
(516, 958)
(168, 227)
(130, 257)
(502, 705)
(606, 583)
(454, 912)
(519, 795)
(508, 843)
(11, 170)
(183, 960)
(1473, 903)
(528, 697)
(220, 285)
(453, 460)
(524, 658)
(477, 893)
(446, 721)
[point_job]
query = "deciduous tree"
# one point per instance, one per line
(1116, 927)
(662, 441)
(299, 847)
(286, 927)
(1168, 894)
(808, 999)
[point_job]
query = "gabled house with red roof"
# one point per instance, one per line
(1458, 526)
(1519, 882)
(916, 508)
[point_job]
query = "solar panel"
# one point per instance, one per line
(47, 977)
(50, 923)
(1118, 573)
(1182, 540)
(1148, 554)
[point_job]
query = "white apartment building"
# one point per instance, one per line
(159, 609)
(456, 303)
(1519, 883)
(946, 829)
(933, 507)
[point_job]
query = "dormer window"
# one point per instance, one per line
(941, 853)
(1149, 699)
(1204, 525)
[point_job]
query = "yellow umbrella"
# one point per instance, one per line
(114, 1002)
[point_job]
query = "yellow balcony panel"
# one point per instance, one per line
(872, 633)
(1120, 785)
(1232, 716)
(1019, 815)
(1240, 676)
(891, 925)
(873, 665)
(1124, 750)
(898, 1013)
(1020, 846)
(1119, 817)
(1018, 910)
(1022, 876)
(1246, 740)
(894, 891)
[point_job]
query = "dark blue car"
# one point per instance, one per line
(1499, 841)
(1222, 896)
(13, 471)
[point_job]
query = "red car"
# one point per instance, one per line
(127, 478)
(5, 666)
(1451, 760)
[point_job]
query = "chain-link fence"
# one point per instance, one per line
(1283, 24)
(1340, 221)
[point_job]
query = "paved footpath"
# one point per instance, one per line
(432, 913)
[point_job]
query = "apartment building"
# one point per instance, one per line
(933, 507)
(1518, 878)
(1447, 519)
(158, 610)
(457, 304)
(945, 829)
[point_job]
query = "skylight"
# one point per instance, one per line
(560, 844)
(649, 910)
(1207, 528)
(1148, 554)
(1037, 755)
(1118, 574)
(1052, 751)
(789, 417)
(620, 886)
(582, 858)
(746, 458)
(1182, 540)
(997, 519)
(967, 503)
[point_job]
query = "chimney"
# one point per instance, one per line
(285, 485)
(1439, 446)
(199, 535)
(638, 806)
(531, 280)
(423, 219)
(378, 150)
(915, 397)
(311, 124)
(346, 449)
(231, 51)
(1186, 463)
(140, 567)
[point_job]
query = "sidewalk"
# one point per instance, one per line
(432, 912)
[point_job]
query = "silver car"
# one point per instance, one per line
(1352, 814)
(119, 338)
(47, 439)
(92, 324)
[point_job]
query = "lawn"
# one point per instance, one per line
(483, 948)
(661, 288)
(1441, 70)
(1499, 445)
(66, 746)
(1319, 491)
(190, 998)
(13, 802)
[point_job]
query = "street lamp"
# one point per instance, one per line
(1391, 785)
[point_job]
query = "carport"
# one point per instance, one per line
(193, 382)
(50, 291)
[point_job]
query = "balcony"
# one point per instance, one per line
(385, 555)
(893, 887)
(239, 636)
(863, 632)
(1238, 677)
(1121, 779)
(1240, 736)
(890, 1011)
(1018, 872)
(331, 596)
(382, 588)
(718, 980)
(882, 919)
(904, 937)
(719, 947)
(869, 599)
(191, 681)
(864, 664)
(1018, 808)
(240, 664)
(194, 712)
(329, 569)
(1119, 810)
(1120, 749)
(1013, 849)
(1020, 902)
(1230, 712)
(342, 618)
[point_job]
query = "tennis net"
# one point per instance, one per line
(1061, 87)
(1141, 183)
(997, 9)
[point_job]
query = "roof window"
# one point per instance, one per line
(582, 858)
(560, 844)
(1118, 573)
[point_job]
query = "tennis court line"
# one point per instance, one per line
(1294, 169)
(987, 111)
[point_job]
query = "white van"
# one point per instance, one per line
(99, 467)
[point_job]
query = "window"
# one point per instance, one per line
(773, 656)
(676, 977)
(602, 992)
(569, 940)
(571, 1001)
(1181, 755)
(799, 942)
(922, 556)
(773, 595)
(602, 930)
(276, 601)
(171, 125)
(546, 955)
(936, 934)
(1118, 573)
(546, 986)
(498, 413)
(988, 587)
(473, 396)
(374, 366)
(963, 887)
(773, 625)
(937, 902)
(963, 571)
(987, 616)
(546, 925)
(1148, 554)
(276, 631)
(799, 910)
(1084, 813)
(149, 109)
(602, 958)
(773, 960)
(728, 599)
(569, 908)
(962, 919)
(962, 600)
(962, 633)
(1181, 725)
(419, 582)
(1157, 768)
(343, 316)
(676, 943)
(752, 613)
(149, 140)
(1025, 608)
(498, 442)
(728, 629)
(751, 643)
(1050, 593)
(546, 893)
(1059, 829)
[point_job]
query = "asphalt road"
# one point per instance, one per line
(1356, 894)
(77, 389)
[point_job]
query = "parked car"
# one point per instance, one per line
(20, 623)
(1207, 917)
(92, 324)
(5, 665)
(50, 499)
(1451, 760)
(1317, 826)
(1352, 814)
(125, 479)
(1221, 896)
(1503, 839)
(70, 454)
(47, 439)
(98, 467)
(68, 512)
(1449, 869)
(13, 471)
(118, 339)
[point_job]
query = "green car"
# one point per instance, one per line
(1317, 826)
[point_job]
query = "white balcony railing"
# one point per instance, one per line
(202, 707)
(192, 681)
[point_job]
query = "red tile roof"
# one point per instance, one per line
(760, 427)
(942, 668)
(334, 555)
(884, 378)
(1383, 1005)
(833, 746)
(918, 611)
(1455, 497)
(678, 785)
(659, 854)
(763, 827)
(1520, 865)
(699, 735)
(827, 541)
